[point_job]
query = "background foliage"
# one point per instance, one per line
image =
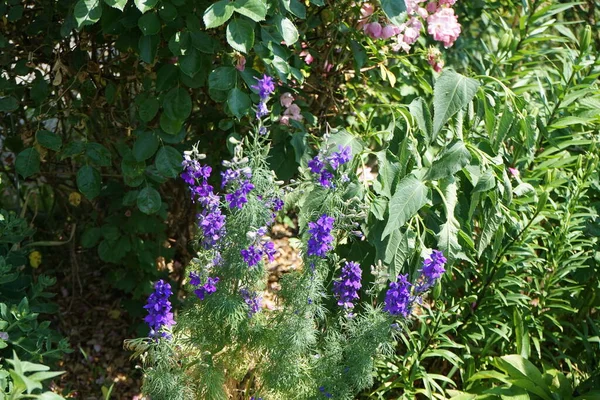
(100, 98)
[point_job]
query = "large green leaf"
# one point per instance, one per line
(239, 102)
(448, 234)
(395, 10)
(222, 78)
(8, 104)
(168, 162)
(149, 24)
(87, 12)
(453, 159)
(410, 196)
(145, 5)
(524, 374)
(420, 112)
(97, 154)
(28, 162)
(119, 4)
(49, 140)
(89, 181)
(148, 109)
(148, 200)
(256, 10)
(177, 104)
(287, 30)
(148, 46)
(451, 93)
(145, 146)
(240, 34)
(218, 13)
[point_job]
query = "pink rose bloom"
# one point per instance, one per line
(401, 44)
(422, 13)
(443, 26)
(412, 6)
(293, 110)
(286, 99)
(413, 31)
(308, 58)
(284, 120)
(388, 31)
(514, 172)
(373, 29)
(431, 7)
(367, 10)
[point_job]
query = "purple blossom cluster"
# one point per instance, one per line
(159, 310)
(210, 220)
(251, 299)
(399, 298)
(346, 288)
(325, 392)
(325, 166)
(255, 252)
(202, 290)
(241, 188)
(265, 87)
(320, 241)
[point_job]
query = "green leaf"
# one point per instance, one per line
(168, 12)
(287, 29)
(420, 112)
(395, 10)
(398, 249)
(177, 104)
(451, 93)
(240, 34)
(239, 102)
(410, 196)
(148, 109)
(524, 374)
(170, 126)
(89, 181)
(168, 162)
(148, 46)
(148, 200)
(8, 104)
(145, 5)
(217, 14)
(295, 7)
(145, 146)
(98, 154)
(222, 78)
(91, 237)
(49, 140)
(87, 12)
(256, 10)
(149, 24)
(192, 62)
(492, 220)
(166, 77)
(453, 159)
(28, 162)
(119, 4)
(448, 234)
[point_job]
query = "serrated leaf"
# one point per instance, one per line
(240, 34)
(89, 181)
(452, 160)
(217, 14)
(256, 10)
(148, 200)
(168, 162)
(410, 196)
(287, 30)
(170, 126)
(491, 221)
(97, 154)
(222, 78)
(448, 234)
(49, 140)
(87, 12)
(145, 146)
(295, 7)
(452, 92)
(149, 24)
(148, 109)
(420, 112)
(28, 162)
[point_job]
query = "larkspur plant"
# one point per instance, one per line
(299, 347)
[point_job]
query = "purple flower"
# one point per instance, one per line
(433, 269)
(340, 157)
(398, 299)
(325, 179)
(269, 249)
(265, 87)
(261, 110)
(229, 175)
(239, 197)
(316, 165)
(252, 255)
(277, 204)
(320, 241)
(194, 279)
(327, 394)
(159, 310)
(346, 288)
(212, 224)
(252, 300)
(208, 288)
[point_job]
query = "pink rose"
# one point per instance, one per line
(373, 29)
(286, 99)
(443, 26)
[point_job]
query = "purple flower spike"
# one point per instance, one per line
(265, 87)
(340, 157)
(433, 269)
(321, 239)
(253, 301)
(252, 255)
(159, 310)
(346, 288)
(208, 288)
(398, 300)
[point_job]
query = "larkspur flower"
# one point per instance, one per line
(265, 87)
(159, 310)
(252, 300)
(208, 288)
(316, 165)
(212, 224)
(252, 255)
(398, 298)
(194, 279)
(346, 288)
(432, 270)
(239, 197)
(340, 157)
(321, 239)
(270, 251)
